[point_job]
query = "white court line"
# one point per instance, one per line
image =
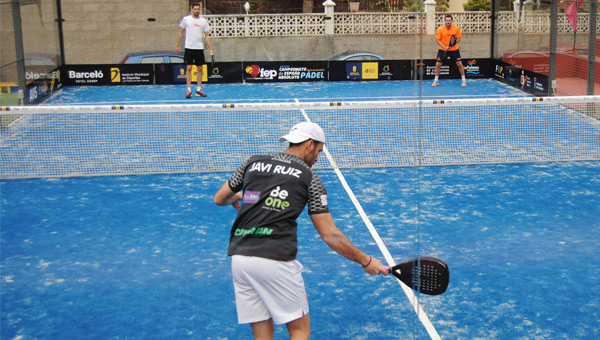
(414, 300)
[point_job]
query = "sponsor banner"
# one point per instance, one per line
(528, 81)
(474, 68)
(43, 87)
(477, 68)
(362, 70)
(369, 70)
(284, 71)
(137, 74)
(179, 75)
(227, 72)
(506, 73)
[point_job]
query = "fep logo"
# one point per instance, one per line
(253, 70)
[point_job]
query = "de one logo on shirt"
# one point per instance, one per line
(277, 199)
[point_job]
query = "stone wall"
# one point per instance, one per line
(105, 31)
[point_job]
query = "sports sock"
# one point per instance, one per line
(464, 79)
(435, 80)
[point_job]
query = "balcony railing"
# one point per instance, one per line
(384, 23)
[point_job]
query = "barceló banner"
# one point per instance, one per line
(139, 74)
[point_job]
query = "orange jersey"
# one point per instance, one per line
(443, 34)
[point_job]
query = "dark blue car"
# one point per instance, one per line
(153, 58)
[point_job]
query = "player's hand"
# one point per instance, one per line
(237, 199)
(375, 267)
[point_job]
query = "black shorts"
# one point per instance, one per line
(450, 55)
(194, 57)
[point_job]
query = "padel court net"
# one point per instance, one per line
(64, 141)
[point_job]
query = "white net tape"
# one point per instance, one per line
(59, 141)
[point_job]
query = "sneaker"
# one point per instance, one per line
(435, 84)
(464, 85)
(200, 93)
(188, 94)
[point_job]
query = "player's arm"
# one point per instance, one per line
(178, 42)
(438, 39)
(208, 42)
(337, 241)
(458, 35)
(226, 196)
(439, 42)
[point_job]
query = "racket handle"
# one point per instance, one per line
(388, 269)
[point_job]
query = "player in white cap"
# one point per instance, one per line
(273, 190)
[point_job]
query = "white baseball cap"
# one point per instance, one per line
(304, 131)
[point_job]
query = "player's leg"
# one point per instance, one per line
(438, 67)
(188, 79)
(188, 59)
(199, 62)
(263, 330)
(299, 329)
(461, 69)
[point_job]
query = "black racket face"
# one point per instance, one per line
(212, 60)
(452, 40)
(427, 275)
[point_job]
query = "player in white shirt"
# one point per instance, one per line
(195, 28)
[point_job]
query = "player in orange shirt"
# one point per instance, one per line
(448, 48)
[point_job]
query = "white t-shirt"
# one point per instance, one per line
(194, 31)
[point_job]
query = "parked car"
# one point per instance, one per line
(31, 60)
(153, 58)
(355, 56)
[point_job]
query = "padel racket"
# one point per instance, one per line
(212, 61)
(425, 274)
(452, 43)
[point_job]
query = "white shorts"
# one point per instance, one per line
(268, 289)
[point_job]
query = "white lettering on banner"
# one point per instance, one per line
(312, 75)
(85, 75)
(269, 74)
(34, 76)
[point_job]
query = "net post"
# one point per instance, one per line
(592, 48)
(553, 38)
(20, 54)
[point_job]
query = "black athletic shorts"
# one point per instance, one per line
(194, 57)
(450, 55)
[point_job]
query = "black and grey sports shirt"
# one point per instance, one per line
(276, 189)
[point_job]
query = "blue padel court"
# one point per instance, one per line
(282, 92)
(144, 256)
